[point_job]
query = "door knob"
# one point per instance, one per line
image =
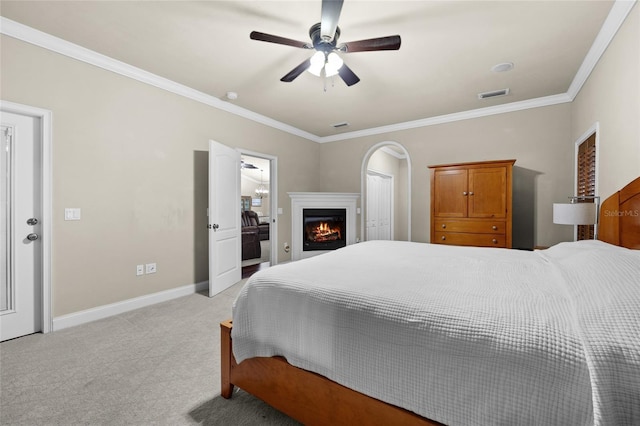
(32, 221)
(32, 237)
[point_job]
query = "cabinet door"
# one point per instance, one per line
(488, 192)
(450, 188)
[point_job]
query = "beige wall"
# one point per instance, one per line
(537, 138)
(611, 97)
(134, 158)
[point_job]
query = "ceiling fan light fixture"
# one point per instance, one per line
(331, 63)
(317, 63)
(334, 63)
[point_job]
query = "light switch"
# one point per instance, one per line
(279, 210)
(71, 214)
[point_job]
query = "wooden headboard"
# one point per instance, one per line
(620, 217)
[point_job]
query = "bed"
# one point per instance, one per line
(448, 335)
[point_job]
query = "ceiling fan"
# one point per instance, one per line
(324, 39)
(245, 165)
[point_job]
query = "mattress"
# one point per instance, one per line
(460, 335)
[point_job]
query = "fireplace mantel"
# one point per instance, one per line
(320, 200)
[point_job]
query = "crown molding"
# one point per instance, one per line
(612, 24)
(448, 118)
(63, 47)
(616, 17)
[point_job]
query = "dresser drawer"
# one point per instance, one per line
(473, 226)
(467, 239)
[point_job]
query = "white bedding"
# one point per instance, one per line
(461, 335)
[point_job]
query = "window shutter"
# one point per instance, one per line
(586, 180)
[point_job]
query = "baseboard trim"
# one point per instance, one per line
(105, 311)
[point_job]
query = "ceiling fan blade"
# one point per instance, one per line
(296, 71)
(255, 35)
(348, 76)
(380, 43)
(329, 18)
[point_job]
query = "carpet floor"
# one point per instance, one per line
(158, 365)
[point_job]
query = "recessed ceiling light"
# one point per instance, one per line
(232, 96)
(503, 67)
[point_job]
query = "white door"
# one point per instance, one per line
(379, 215)
(20, 216)
(225, 244)
(385, 206)
(372, 207)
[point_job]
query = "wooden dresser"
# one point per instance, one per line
(471, 203)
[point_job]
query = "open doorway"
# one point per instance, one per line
(258, 211)
(386, 193)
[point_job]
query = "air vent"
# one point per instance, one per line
(339, 125)
(493, 94)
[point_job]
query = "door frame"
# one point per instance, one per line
(273, 203)
(46, 166)
(363, 183)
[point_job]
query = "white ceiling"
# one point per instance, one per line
(448, 49)
(261, 173)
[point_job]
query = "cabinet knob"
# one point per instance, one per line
(444, 226)
(471, 193)
(494, 241)
(464, 192)
(495, 228)
(444, 238)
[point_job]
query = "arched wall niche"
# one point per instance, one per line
(402, 187)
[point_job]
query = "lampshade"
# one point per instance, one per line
(575, 213)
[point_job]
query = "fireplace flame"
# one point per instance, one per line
(324, 232)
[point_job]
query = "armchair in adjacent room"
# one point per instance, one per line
(250, 236)
(252, 219)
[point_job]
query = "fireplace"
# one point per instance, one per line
(336, 212)
(324, 229)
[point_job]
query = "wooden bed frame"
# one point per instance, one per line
(620, 217)
(315, 400)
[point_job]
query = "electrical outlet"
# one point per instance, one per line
(139, 269)
(150, 268)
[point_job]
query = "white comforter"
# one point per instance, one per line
(461, 335)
